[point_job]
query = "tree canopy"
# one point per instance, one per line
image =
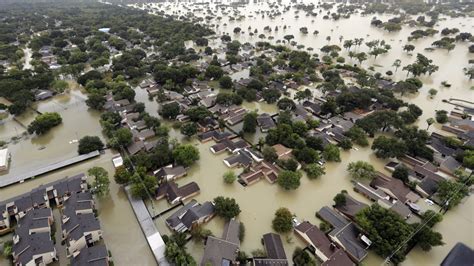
(44, 122)
(226, 208)
(289, 180)
(282, 223)
(89, 144)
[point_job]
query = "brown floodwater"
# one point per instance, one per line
(259, 202)
(121, 231)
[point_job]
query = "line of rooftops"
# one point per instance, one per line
(331, 130)
(34, 238)
(388, 192)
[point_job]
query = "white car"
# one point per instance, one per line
(429, 202)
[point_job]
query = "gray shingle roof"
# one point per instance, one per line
(91, 256)
(274, 246)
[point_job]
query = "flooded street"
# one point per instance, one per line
(258, 202)
(450, 64)
(121, 232)
(60, 143)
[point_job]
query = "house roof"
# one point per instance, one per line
(339, 258)
(441, 147)
(216, 135)
(281, 150)
(173, 171)
(261, 169)
(171, 190)
(313, 107)
(230, 145)
(92, 256)
(135, 147)
(332, 217)
(401, 209)
(459, 255)
(265, 121)
(338, 121)
(218, 251)
(450, 165)
(31, 246)
(396, 187)
(79, 225)
(273, 246)
(316, 237)
(197, 212)
(428, 185)
(351, 207)
(243, 158)
(174, 220)
(347, 237)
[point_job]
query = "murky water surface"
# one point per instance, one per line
(259, 201)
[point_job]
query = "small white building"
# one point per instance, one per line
(117, 161)
(4, 157)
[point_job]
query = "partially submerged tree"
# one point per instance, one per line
(100, 185)
(89, 144)
(361, 170)
(314, 170)
(289, 180)
(185, 155)
(229, 177)
(282, 223)
(226, 208)
(44, 122)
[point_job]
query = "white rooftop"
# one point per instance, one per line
(3, 158)
(117, 161)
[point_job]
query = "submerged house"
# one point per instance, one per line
(229, 145)
(275, 253)
(234, 116)
(191, 214)
(215, 135)
(265, 122)
(175, 194)
(223, 250)
(351, 207)
(170, 172)
(259, 171)
(321, 246)
(395, 188)
(242, 157)
(383, 199)
(345, 234)
(32, 243)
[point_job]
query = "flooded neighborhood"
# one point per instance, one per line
(236, 133)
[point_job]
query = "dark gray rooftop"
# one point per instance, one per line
(91, 256)
(332, 217)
